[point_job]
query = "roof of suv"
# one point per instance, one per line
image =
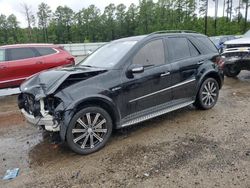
(28, 45)
(159, 33)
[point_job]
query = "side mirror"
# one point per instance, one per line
(134, 69)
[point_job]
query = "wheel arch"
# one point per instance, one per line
(211, 74)
(103, 103)
(99, 101)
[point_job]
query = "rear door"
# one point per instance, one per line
(23, 62)
(55, 56)
(185, 59)
(50, 57)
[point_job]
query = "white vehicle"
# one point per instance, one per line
(237, 55)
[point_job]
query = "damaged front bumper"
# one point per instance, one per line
(46, 121)
(239, 56)
(37, 114)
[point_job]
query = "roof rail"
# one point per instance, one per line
(173, 31)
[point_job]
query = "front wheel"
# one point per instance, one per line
(89, 130)
(208, 94)
(231, 70)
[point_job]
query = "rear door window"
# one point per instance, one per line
(2, 55)
(179, 48)
(151, 54)
(45, 51)
(20, 53)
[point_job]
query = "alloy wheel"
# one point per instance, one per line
(209, 93)
(89, 130)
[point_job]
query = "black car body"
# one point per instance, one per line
(124, 82)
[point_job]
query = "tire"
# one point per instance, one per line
(231, 70)
(89, 130)
(208, 94)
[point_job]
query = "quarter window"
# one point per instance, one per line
(150, 54)
(45, 51)
(193, 50)
(20, 53)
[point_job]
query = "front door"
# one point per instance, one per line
(149, 88)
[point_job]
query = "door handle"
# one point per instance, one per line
(200, 62)
(39, 62)
(165, 74)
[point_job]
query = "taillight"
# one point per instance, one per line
(220, 61)
(71, 59)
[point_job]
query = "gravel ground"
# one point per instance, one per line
(185, 148)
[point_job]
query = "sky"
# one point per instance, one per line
(8, 7)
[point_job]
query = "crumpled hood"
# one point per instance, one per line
(244, 40)
(47, 82)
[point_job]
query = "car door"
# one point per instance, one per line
(51, 57)
(3, 67)
(185, 59)
(23, 62)
(147, 89)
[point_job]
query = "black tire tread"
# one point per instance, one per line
(229, 73)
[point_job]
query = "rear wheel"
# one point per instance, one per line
(231, 70)
(89, 130)
(208, 94)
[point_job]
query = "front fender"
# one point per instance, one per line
(83, 99)
(75, 105)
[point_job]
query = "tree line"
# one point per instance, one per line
(90, 24)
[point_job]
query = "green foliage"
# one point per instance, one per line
(44, 15)
(91, 25)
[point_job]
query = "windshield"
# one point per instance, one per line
(247, 34)
(215, 40)
(108, 55)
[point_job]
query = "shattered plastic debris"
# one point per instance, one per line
(11, 174)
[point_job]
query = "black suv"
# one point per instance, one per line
(125, 82)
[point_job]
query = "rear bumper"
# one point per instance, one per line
(46, 121)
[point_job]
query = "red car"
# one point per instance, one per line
(18, 62)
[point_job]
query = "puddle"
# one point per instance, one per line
(46, 153)
(15, 146)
